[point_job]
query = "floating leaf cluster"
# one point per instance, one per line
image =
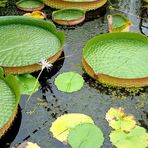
(78, 130)
(126, 133)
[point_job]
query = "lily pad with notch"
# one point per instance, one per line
(25, 42)
(118, 23)
(117, 59)
(60, 4)
(9, 100)
(68, 16)
(69, 82)
(30, 5)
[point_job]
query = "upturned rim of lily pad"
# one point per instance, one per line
(30, 9)
(66, 21)
(123, 27)
(43, 15)
(41, 24)
(110, 80)
(87, 6)
(12, 83)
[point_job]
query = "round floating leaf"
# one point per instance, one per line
(28, 84)
(136, 138)
(29, 5)
(69, 82)
(9, 99)
(60, 4)
(118, 59)
(68, 16)
(61, 126)
(118, 120)
(85, 136)
(38, 40)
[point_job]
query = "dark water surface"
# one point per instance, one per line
(93, 99)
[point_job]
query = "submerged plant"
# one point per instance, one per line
(126, 134)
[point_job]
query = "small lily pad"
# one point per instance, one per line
(61, 126)
(118, 23)
(28, 84)
(136, 138)
(29, 5)
(68, 16)
(79, 0)
(69, 82)
(85, 136)
(119, 120)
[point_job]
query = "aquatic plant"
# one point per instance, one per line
(39, 39)
(118, 23)
(9, 100)
(68, 16)
(69, 82)
(3, 3)
(117, 59)
(27, 83)
(126, 133)
(78, 130)
(89, 5)
(85, 135)
(36, 14)
(61, 126)
(30, 5)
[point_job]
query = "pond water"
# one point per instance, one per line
(93, 99)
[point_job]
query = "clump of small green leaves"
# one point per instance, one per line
(3, 3)
(126, 133)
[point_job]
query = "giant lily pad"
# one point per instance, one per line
(60, 4)
(117, 59)
(68, 16)
(9, 99)
(26, 41)
(29, 5)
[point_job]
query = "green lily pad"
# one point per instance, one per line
(9, 99)
(85, 136)
(118, 22)
(38, 40)
(136, 138)
(68, 16)
(119, 120)
(69, 82)
(118, 59)
(30, 5)
(60, 4)
(28, 84)
(62, 125)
